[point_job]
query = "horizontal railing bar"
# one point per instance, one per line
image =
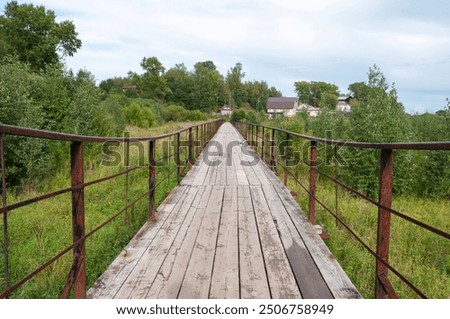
(404, 279)
(50, 135)
(30, 275)
(437, 146)
(393, 211)
(64, 190)
(372, 252)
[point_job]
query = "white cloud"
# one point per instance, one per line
(280, 41)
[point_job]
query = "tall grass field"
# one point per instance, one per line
(39, 231)
(421, 256)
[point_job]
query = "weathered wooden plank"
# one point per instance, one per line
(225, 278)
(281, 279)
(200, 174)
(308, 278)
(196, 283)
(252, 270)
(145, 271)
(117, 273)
(170, 276)
(235, 241)
(332, 272)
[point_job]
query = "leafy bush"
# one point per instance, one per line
(175, 113)
(138, 115)
(196, 115)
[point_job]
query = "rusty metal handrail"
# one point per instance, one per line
(383, 287)
(76, 278)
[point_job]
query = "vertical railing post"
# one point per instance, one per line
(177, 158)
(336, 197)
(127, 166)
(384, 221)
(5, 214)
(312, 182)
(256, 139)
(273, 162)
(190, 148)
(196, 141)
(263, 144)
(151, 179)
(78, 227)
(286, 160)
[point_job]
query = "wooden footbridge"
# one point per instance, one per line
(230, 229)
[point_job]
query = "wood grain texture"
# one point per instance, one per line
(230, 230)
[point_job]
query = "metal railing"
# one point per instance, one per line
(186, 143)
(264, 138)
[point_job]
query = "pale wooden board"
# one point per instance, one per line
(145, 271)
(170, 276)
(247, 162)
(196, 283)
(281, 279)
(225, 278)
(335, 277)
(203, 245)
(308, 278)
(117, 273)
(253, 275)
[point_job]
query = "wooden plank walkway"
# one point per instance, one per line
(229, 230)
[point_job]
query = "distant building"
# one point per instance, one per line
(343, 105)
(287, 106)
(311, 110)
(226, 110)
(129, 87)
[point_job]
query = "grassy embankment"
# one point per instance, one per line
(39, 231)
(421, 256)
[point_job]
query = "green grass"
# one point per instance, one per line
(421, 256)
(39, 231)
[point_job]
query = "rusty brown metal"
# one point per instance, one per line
(263, 144)
(127, 165)
(387, 286)
(78, 223)
(29, 132)
(312, 182)
(191, 158)
(286, 159)
(336, 173)
(151, 179)
(5, 214)
(177, 158)
(76, 278)
(437, 146)
(273, 162)
(384, 219)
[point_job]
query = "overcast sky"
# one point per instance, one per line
(279, 41)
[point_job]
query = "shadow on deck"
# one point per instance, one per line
(230, 230)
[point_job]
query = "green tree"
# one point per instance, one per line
(234, 86)
(322, 94)
(180, 84)
(208, 86)
(32, 34)
(257, 94)
(379, 118)
(138, 115)
(152, 84)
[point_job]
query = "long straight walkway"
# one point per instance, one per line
(230, 230)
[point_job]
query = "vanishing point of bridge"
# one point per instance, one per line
(231, 229)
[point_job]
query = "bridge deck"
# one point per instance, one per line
(228, 231)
